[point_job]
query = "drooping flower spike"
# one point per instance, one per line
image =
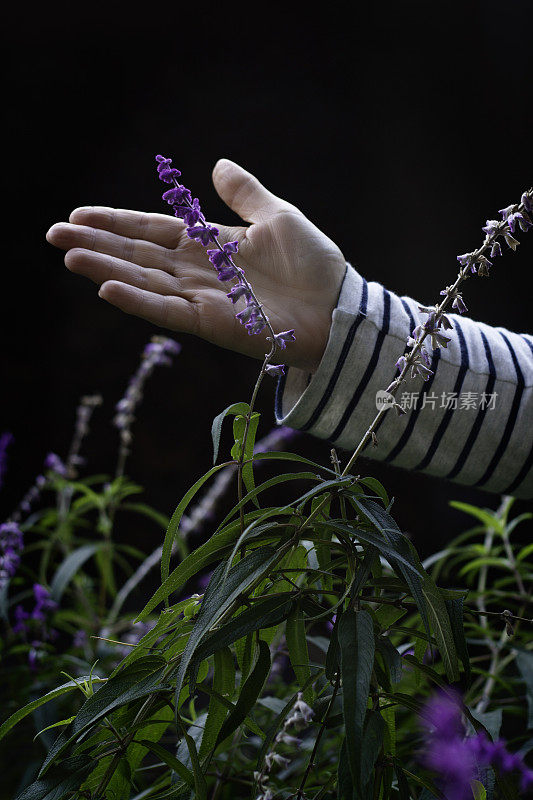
(253, 316)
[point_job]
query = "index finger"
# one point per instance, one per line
(160, 229)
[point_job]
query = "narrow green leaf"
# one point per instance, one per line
(216, 427)
(175, 520)
(479, 791)
(372, 742)
(224, 684)
(378, 488)
(65, 778)
(220, 598)
(69, 567)
(30, 707)
(170, 760)
(524, 662)
(248, 694)
(205, 554)
(344, 777)
(488, 518)
(263, 614)
(454, 607)
(298, 652)
(391, 657)
(356, 641)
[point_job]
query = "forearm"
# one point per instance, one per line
(470, 422)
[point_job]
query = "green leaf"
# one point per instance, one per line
(197, 560)
(391, 657)
(175, 520)
(69, 567)
(440, 623)
(297, 646)
(216, 427)
(378, 488)
(220, 597)
(263, 614)
(58, 724)
(479, 791)
(371, 745)
(356, 641)
(139, 680)
(488, 518)
(170, 760)
(249, 693)
(524, 662)
(224, 684)
(491, 721)
(344, 776)
(30, 707)
(454, 607)
(65, 778)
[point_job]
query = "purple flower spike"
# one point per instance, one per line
(282, 338)
(275, 370)
(203, 235)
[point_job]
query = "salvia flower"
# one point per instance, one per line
(496, 250)
(459, 304)
(526, 202)
(11, 546)
(466, 260)
(421, 369)
(202, 234)
(275, 370)
(491, 226)
(282, 338)
(506, 211)
(5, 441)
(401, 363)
(239, 291)
(54, 463)
(457, 758)
(179, 197)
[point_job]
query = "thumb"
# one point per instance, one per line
(243, 193)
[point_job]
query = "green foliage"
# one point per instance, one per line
(319, 619)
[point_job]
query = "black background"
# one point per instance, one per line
(398, 131)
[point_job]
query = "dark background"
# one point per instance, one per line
(398, 132)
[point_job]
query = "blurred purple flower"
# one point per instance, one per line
(282, 338)
(5, 440)
(11, 545)
(53, 462)
(457, 758)
(275, 370)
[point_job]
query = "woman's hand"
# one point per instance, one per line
(146, 265)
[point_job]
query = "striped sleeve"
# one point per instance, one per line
(471, 422)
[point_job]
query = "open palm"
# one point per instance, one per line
(147, 266)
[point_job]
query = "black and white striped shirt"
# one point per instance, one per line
(471, 422)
